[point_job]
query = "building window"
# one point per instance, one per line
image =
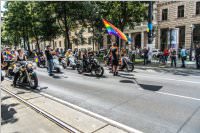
(196, 34)
(181, 36)
(180, 11)
(197, 8)
(59, 43)
(164, 14)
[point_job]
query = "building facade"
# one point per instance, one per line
(81, 38)
(181, 15)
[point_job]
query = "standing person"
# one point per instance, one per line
(197, 56)
(62, 52)
(166, 54)
(49, 57)
(173, 57)
(145, 52)
(183, 55)
(115, 62)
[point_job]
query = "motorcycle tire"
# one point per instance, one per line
(101, 73)
(35, 81)
(73, 67)
(58, 70)
(79, 68)
(130, 68)
(64, 66)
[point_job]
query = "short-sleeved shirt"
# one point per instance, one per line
(48, 55)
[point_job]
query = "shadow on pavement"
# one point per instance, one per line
(92, 75)
(7, 113)
(56, 77)
(127, 81)
(6, 97)
(150, 87)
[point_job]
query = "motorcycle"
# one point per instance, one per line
(72, 62)
(89, 66)
(2, 75)
(62, 61)
(42, 61)
(27, 76)
(56, 64)
(126, 63)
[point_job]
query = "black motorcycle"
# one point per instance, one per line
(41, 61)
(90, 65)
(27, 76)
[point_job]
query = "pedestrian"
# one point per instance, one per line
(145, 52)
(49, 57)
(166, 54)
(115, 62)
(183, 55)
(197, 56)
(173, 57)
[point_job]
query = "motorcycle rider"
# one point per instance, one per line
(67, 55)
(20, 57)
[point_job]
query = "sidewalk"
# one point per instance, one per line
(155, 63)
(77, 119)
(16, 117)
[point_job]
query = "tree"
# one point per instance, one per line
(69, 15)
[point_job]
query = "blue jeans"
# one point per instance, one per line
(50, 66)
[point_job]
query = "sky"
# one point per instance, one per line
(2, 4)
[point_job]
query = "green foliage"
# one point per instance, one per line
(45, 20)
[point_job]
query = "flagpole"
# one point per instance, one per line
(119, 48)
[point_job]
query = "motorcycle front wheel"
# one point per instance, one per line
(79, 68)
(130, 67)
(99, 72)
(34, 81)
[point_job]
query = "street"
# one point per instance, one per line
(150, 100)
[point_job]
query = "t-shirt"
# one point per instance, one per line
(183, 53)
(48, 55)
(114, 53)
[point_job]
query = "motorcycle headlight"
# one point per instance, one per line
(29, 66)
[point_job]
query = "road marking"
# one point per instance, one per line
(186, 97)
(150, 76)
(78, 108)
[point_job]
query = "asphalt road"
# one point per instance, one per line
(150, 100)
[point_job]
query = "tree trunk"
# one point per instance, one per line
(37, 43)
(68, 40)
(28, 44)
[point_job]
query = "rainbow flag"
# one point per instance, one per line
(112, 30)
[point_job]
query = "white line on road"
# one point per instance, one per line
(150, 76)
(186, 97)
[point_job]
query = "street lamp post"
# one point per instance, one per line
(150, 27)
(191, 46)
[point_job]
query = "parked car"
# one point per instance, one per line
(156, 52)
